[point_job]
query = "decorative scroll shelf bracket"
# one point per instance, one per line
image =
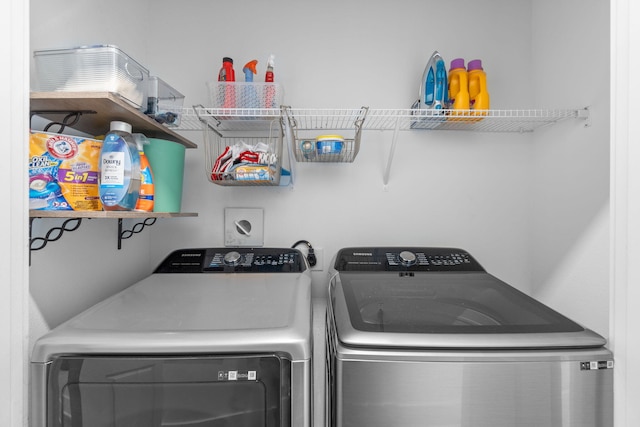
(54, 234)
(72, 224)
(137, 228)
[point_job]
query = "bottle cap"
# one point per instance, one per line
(121, 126)
(227, 59)
(475, 64)
(457, 63)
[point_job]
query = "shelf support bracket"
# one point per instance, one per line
(70, 118)
(137, 228)
(54, 234)
(394, 140)
(585, 115)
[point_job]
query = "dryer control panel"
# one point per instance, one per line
(405, 259)
(234, 260)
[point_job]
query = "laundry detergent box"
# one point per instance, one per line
(63, 172)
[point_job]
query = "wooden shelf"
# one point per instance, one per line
(101, 108)
(108, 214)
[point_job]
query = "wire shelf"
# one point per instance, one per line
(250, 119)
(229, 120)
(468, 120)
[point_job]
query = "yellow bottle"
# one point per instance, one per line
(478, 93)
(458, 85)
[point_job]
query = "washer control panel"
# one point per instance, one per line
(405, 259)
(234, 260)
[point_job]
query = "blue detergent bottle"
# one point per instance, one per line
(119, 169)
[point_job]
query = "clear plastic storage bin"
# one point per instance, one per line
(103, 68)
(245, 95)
(164, 102)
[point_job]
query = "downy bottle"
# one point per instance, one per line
(119, 169)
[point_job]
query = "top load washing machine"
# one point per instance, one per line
(426, 337)
(214, 337)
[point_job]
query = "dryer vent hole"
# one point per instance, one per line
(243, 227)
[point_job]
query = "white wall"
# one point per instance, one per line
(85, 263)
(570, 201)
(532, 208)
(465, 190)
(286, 33)
(454, 189)
(625, 203)
(14, 275)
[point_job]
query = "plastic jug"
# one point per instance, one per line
(119, 169)
(458, 85)
(228, 76)
(478, 93)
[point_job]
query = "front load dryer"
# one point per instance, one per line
(214, 337)
(426, 337)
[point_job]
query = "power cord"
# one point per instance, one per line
(311, 257)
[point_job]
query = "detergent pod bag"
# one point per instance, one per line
(63, 172)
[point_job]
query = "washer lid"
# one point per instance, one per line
(447, 310)
(193, 313)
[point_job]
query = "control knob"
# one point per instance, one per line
(407, 258)
(232, 258)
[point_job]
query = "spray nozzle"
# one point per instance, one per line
(141, 140)
(249, 70)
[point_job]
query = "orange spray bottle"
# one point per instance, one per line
(146, 194)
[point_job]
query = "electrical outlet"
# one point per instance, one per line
(244, 227)
(318, 252)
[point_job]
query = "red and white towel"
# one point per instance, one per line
(239, 154)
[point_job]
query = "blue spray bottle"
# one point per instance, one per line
(249, 70)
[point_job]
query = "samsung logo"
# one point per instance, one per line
(362, 254)
(191, 255)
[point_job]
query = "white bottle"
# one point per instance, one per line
(119, 169)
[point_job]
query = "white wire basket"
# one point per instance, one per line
(318, 135)
(246, 159)
(245, 95)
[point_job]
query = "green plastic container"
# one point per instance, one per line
(167, 163)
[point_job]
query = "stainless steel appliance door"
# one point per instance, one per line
(475, 390)
(242, 390)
